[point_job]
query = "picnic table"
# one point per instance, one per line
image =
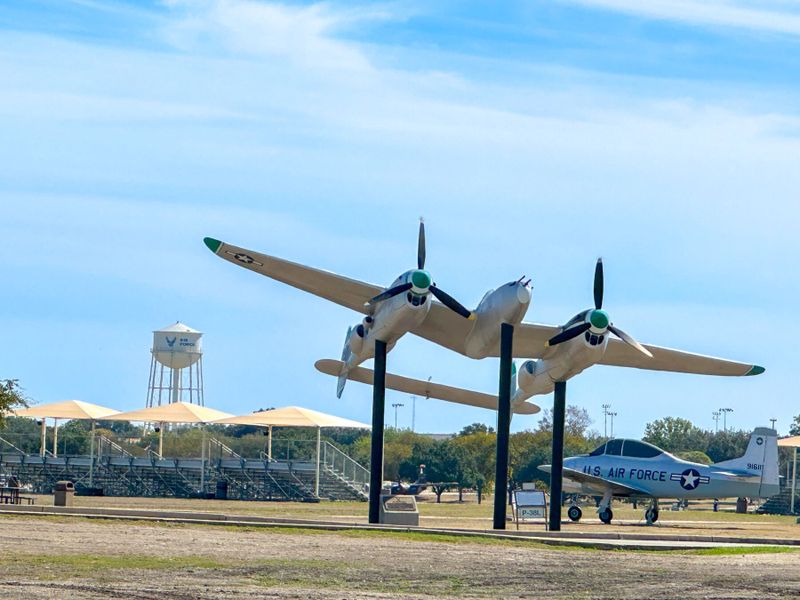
(10, 495)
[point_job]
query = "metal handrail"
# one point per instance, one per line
(222, 448)
(5, 441)
(344, 466)
(101, 439)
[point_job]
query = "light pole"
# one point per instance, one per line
(715, 416)
(772, 422)
(725, 412)
(413, 412)
(612, 415)
(396, 405)
(605, 419)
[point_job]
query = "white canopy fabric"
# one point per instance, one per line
(176, 412)
(292, 416)
(68, 409)
(790, 442)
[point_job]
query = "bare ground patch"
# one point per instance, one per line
(78, 558)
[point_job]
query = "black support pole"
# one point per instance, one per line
(557, 469)
(503, 426)
(376, 450)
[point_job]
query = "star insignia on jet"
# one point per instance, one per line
(689, 479)
(245, 258)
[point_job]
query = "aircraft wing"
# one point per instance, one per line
(599, 483)
(444, 327)
(427, 389)
(620, 354)
(336, 288)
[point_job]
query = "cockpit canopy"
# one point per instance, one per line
(629, 448)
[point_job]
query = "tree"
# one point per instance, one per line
(725, 445)
(675, 434)
(476, 428)
(576, 421)
(11, 397)
(695, 456)
(794, 429)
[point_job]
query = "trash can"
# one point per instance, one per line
(63, 493)
(741, 505)
(222, 490)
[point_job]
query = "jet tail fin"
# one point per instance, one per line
(346, 353)
(760, 458)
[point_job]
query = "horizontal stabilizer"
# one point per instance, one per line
(427, 389)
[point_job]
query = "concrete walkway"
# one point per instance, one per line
(599, 540)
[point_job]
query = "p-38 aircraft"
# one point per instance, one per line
(634, 469)
(414, 303)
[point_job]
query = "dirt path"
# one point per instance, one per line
(76, 558)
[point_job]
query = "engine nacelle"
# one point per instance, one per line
(534, 377)
(356, 341)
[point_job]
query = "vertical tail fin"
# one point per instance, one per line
(513, 378)
(760, 458)
(346, 352)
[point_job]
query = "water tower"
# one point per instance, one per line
(176, 369)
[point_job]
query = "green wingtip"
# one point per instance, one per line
(212, 244)
(755, 370)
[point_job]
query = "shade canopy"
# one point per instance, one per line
(176, 412)
(292, 416)
(68, 409)
(790, 442)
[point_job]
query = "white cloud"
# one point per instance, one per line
(303, 35)
(773, 17)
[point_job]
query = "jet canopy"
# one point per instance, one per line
(629, 448)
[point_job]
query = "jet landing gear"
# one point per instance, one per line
(606, 514)
(651, 514)
(604, 511)
(574, 513)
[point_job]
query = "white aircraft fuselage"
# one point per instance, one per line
(396, 316)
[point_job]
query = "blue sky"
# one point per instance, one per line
(533, 137)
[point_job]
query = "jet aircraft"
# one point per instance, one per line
(635, 469)
(556, 353)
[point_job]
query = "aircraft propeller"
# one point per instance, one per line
(597, 320)
(421, 283)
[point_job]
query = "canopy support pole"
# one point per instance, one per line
(91, 456)
(269, 443)
(43, 440)
(316, 481)
(503, 426)
(55, 438)
(794, 477)
(376, 447)
(202, 461)
(161, 440)
(557, 470)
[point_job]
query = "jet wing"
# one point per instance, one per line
(427, 389)
(599, 483)
(444, 327)
(620, 354)
(336, 288)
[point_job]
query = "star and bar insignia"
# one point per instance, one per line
(245, 258)
(689, 479)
